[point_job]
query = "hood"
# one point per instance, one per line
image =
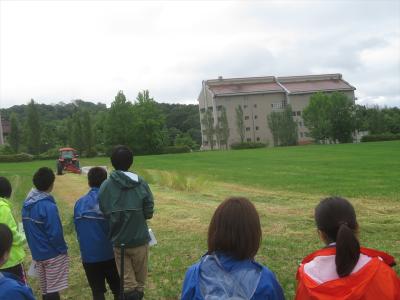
(34, 196)
(126, 180)
(223, 277)
(89, 205)
(4, 202)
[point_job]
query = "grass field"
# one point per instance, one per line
(284, 183)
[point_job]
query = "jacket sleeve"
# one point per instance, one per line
(148, 202)
(53, 228)
(8, 219)
(102, 196)
(189, 284)
(19, 293)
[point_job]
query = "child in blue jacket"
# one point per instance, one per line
(228, 269)
(45, 236)
(10, 285)
(92, 230)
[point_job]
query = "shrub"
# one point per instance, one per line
(380, 137)
(49, 154)
(238, 146)
(176, 149)
(16, 157)
(6, 149)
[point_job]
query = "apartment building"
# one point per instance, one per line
(258, 97)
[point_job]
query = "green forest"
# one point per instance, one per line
(147, 126)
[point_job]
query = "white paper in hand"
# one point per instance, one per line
(153, 240)
(32, 269)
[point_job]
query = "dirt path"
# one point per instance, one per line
(70, 187)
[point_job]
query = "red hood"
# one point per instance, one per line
(375, 281)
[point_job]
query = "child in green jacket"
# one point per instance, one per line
(17, 253)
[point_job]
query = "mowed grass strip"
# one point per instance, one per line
(183, 210)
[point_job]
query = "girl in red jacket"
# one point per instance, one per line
(343, 270)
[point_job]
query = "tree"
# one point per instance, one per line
(274, 120)
(208, 125)
(316, 117)
(223, 127)
(240, 122)
(330, 116)
(342, 117)
(148, 126)
(120, 122)
(87, 133)
(33, 129)
(15, 134)
(283, 127)
(184, 139)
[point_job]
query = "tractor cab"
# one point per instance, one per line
(68, 161)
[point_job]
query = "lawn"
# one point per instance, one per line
(284, 183)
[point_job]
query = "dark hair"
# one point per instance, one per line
(43, 179)
(235, 229)
(6, 239)
(5, 188)
(121, 158)
(336, 218)
(96, 176)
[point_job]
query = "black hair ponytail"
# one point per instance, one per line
(336, 218)
(347, 250)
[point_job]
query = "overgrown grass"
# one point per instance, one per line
(284, 183)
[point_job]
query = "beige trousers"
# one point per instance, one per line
(135, 266)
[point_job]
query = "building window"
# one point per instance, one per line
(219, 107)
(257, 128)
(255, 105)
(277, 105)
(246, 117)
(205, 143)
(255, 117)
(301, 134)
(258, 139)
(249, 139)
(299, 113)
(244, 106)
(203, 110)
(293, 113)
(210, 108)
(247, 128)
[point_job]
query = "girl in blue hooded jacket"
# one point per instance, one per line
(228, 269)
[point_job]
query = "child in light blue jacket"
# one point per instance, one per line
(228, 269)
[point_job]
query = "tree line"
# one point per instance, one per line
(146, 126)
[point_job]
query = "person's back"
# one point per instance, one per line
(92, 232)
(11, 287)
(228, 270)
(127, 202)
(343, 270)
(14, 263)
(44, 233)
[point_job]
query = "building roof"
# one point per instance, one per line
(270, 84)
(246, 88)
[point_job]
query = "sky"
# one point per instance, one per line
(58, 51)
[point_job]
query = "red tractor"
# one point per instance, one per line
(68, 161)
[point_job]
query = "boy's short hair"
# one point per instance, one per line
(235, 229)
(121, 158)
(96, 176)
(5, 188)
(6, 239)
(43, 179)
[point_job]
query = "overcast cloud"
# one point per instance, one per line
(55, 51)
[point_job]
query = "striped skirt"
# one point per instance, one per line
(53, 274)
